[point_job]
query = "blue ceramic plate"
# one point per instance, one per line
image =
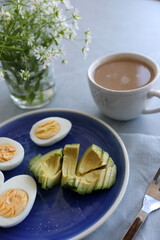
(61, 213)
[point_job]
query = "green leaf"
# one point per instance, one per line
(27, 86)
(37, 86)
(31, 97)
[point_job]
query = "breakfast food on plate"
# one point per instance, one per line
(17, 196)
(1, 178)
(47, 168)
(11, 153)
(94, 157)
(50, 130)
(95, 170)
(70, 158)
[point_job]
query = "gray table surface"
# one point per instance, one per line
(126, 25)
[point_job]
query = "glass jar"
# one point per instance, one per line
(35, 92)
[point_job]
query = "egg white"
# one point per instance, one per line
(17, 159)
(65, 127)
(23, 182)
(1, 178)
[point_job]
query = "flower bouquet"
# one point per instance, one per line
(32, 34)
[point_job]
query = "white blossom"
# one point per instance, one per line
(64, 61)
(31, 41)
(88, 36)
(24, 74)
(21, 11)
(39, 52)
(76, 15)
(4, 14)
(85, 50)
(75, 24)
(67, 4)
(1, 76)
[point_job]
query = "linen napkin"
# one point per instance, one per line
(144, 158)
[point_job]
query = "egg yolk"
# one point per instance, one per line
(13, 202)
(7, 152)
(47, 129)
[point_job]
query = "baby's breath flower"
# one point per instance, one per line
(88, 36)
(21, 11)
(31, 41)
(55, 3)
(39, 52)
(75, 15)
(64, 61)
(4, 14)
(85, 50)
(75, 24)
(24, 74)
(48, 58)
(1, 75)
(67, 4)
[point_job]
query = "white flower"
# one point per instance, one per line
(4, 14)
(85, 50)
(75, 24)
(67, 4)
(21, 11)
(50, 55)
(40, 52)
(88, 36)
(46, 55)
(55, 3)
(30, 41)
(70, 32)
(64, 61)
(24, 74)
(76, 15)
(1, 76)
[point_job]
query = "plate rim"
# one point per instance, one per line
(127, 165)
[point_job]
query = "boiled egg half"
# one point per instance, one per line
(50, 130)
(1, 178)
(17, 196)
(11, 153)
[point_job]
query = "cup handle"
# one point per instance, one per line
(152, 93)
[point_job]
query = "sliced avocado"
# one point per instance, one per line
(104, 159)
(86, 182)
(33, 162)
(95, 170)
(49, 181)
(94, 157)
(70, 158)
(53, 181)
(91, 178)
(83, 186)
(47, 168)
(99, 183)
(110, 177)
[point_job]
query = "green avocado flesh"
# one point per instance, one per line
(94, 171)
(47, 168)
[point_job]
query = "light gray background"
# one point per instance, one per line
(116, 25)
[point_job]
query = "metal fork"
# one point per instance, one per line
(151, 202)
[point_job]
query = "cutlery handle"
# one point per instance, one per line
(135, 226)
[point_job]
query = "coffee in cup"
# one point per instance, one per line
(122, 83)
(123, 74)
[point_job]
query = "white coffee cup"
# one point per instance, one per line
(124, 104)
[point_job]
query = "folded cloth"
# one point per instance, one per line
(144, 158)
